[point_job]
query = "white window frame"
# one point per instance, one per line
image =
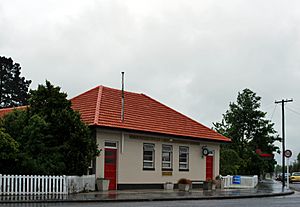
(146, 167)
(186, 163)
(169, 150)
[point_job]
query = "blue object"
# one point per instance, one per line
(236, 179)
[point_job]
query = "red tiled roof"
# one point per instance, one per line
(5, 111)
(101, 106)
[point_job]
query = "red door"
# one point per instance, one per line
(110, 167)
(209, 167)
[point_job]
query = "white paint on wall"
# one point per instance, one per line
(130, 158)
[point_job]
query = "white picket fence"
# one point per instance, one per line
(33, 185)
(244, 181)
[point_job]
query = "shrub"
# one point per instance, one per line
(184, 181)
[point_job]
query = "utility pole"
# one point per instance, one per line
(283, 140)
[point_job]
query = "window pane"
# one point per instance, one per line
(149, 147)
(109, 153)
(148, 153)
(110, 144)
(183, 166)
(183, 149)
(148, 157)
(166, 156)
(109, 160)
(166, 165)
(148, 164)
(167, 148)
(182, 159)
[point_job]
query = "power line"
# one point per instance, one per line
(267, 106)
(292, 110)
(273, 111)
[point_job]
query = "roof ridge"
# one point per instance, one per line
(181, 114)
(85, 92)
(98, 103)
(121, 90)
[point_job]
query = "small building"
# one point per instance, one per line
(144, 143)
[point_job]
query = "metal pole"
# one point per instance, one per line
(283, 145)
(287, 172)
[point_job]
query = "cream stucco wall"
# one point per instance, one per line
(130, 158)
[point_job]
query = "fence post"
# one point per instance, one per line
(65, 188)
(4, 185)
(60, 184)
(47, 180)
(8, 184)
(50, 184)
(56, 184)
(31, 184)
(27, 185)
(42, 185)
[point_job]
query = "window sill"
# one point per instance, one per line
(167, 169)
(149, 169)
(184, 170)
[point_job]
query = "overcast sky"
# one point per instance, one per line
(194, 56)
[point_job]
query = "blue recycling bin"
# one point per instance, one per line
(236, 179)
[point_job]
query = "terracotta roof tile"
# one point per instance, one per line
(101, 106)
(5, 111)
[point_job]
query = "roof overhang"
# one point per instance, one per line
(160, 135)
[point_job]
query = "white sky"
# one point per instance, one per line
(194, 56)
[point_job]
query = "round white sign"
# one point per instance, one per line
(288, 153)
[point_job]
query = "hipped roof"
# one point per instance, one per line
(102, 106)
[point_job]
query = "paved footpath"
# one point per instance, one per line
(266, 188)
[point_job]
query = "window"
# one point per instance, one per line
(167, 157)
(148, 156)
(183, 158)
(112, 145)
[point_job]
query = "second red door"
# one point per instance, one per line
(110, 167)
(209, 167)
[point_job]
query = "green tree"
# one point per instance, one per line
(278, 169)
(8, 151)
(296, 164)
(229, 162)
(52, 138)
(250, 131)
(13, 87)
